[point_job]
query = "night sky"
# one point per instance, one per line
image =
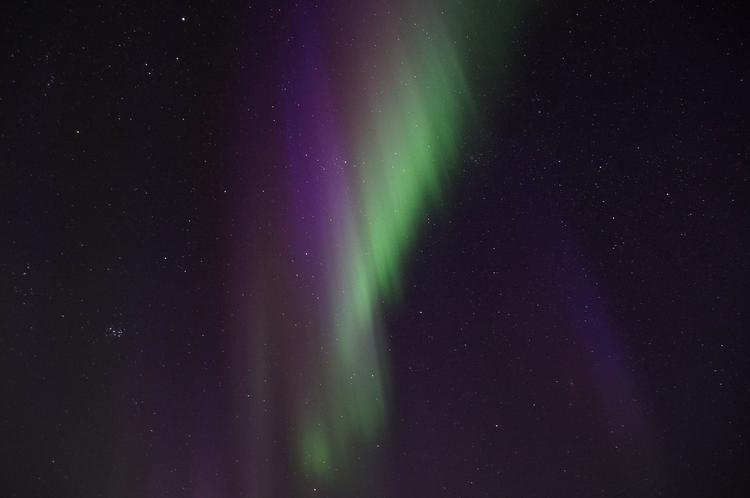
(376, 249)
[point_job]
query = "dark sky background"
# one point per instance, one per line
(574, 320)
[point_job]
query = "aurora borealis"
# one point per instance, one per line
(401, 146)
(366, 167)
(374, 249)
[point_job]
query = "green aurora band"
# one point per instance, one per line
(405, 140)
(402, 166)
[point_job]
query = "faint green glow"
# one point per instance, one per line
(316, 454)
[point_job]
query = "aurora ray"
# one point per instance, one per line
(373, 130)
(402, 146)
